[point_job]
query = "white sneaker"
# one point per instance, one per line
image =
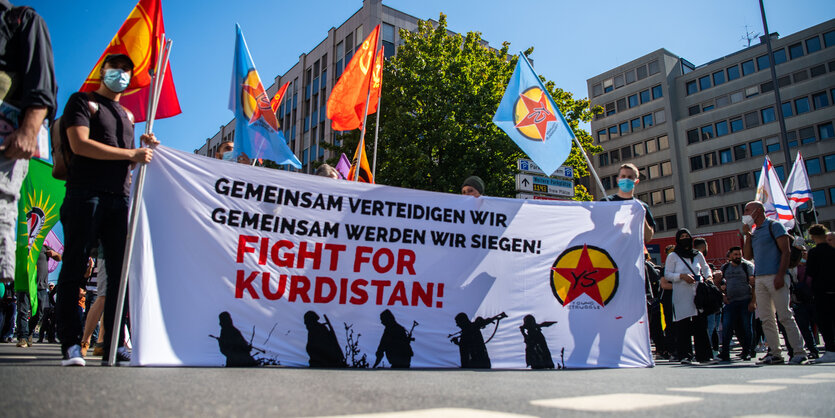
(74, 357)
(798, 359)
(827, 357)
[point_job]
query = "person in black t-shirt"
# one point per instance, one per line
(820, 266)
(627, 180)
(100, 133)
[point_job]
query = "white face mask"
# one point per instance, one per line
(748, 220)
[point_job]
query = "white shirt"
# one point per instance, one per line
(684, 293)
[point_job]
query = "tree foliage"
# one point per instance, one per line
(440, 93)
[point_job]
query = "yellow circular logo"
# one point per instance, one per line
(532, 113)
(585, 270)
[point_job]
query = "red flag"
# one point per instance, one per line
(376, 82)
(365, 170)
(139, 38)
(347, 101)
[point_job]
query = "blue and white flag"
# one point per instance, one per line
(798, 189)
(529, 116)
(770, 193)
(257, 131)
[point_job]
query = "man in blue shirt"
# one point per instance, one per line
(769, 247)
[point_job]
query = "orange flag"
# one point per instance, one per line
(139, 38)
(376, 82)
(365, 169)
(347, 101)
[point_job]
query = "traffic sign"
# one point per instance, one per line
(529, 196)
(529, 166)
(544, 185)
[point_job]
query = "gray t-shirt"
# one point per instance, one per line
(736, 280)
(766, 253)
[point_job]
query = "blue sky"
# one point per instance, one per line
(573, 40)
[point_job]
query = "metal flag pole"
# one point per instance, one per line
(377, 124)
(155, 89)
(361, 146)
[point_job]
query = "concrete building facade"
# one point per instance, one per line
(699, 134)
(302, 115)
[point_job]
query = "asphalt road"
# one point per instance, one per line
(34, 385)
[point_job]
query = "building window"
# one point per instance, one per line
(702, 218)
(607, 86)
(819, 198)
(613, 132)
(801, 105)
(652, 146)
(748, 67)
(813, 166)
(779, 56)
(762, 62)
(800, 76)
(733, 73)
(704, 82)
(707, 132)
(596, 90)
(626, 153)
(718, 78)
(732, 212)
(666, 168)
(725, 156)
(604, 159)
(772, 145)
(721, 128)
(635, 124)
(692, 136)
(614, 156)
(826, 131)
(694, 110)
(638, 149)
(743, 181)
(768, 115)
(699, 190)
(671, 221)
(669, 195)
(729, 184)
(736, 125)
(787, 109)
(722, 101)
(657, 92)
(713, 188)
(633, 100)
(829, 38)
(630, 77)
(752, 119)
(654, 171)
(624, 128)
(691, 87)
(710, 159)
(647, 120)
(388, 40)
(619, 81)
(654, 68)
(795, 51)
(740, 152)
(707, 106)
(644, 96)
(813, 45)
(717, 215)
(621, 104)
(736, 97)
(829, 163)
(642, 72)
(602, 136)
(607, 183)
(610, 109)
(656, 198)
(806, 135)
(820, 100)
(696, 163)
(818, 70)
(766, 87)
(663, 142)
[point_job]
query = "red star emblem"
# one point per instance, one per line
(585, 278)
(538, 114)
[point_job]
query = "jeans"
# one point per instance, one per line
(713, 321)
(773, 302)
(24, 311)
(733, 312)
(90, 217)
(38, 315)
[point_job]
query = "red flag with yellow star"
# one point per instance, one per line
(139, 38)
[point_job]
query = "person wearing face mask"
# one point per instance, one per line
(770, 249)
(224, 152)
(739, 303)
(685, 267)
(627, 180)
(100, 133)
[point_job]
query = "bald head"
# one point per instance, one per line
(756, 210)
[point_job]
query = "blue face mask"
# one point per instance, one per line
(626, 185)
(228, 156)
(116, 80)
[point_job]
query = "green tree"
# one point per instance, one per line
(440, 93)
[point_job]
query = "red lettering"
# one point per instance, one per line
(358, 289)
(287, 259)
(399, 294)
(380, 284)
(265, 286)
(361, 258)
(299, 286)
(406, 258)
(318, 296)
(380, 268)
(421, 294)
(343, 290)
(335, 249)
(304, 255)
(265, 245)
(243, 248)
(242, 284)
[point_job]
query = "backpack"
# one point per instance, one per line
(61, 151)
(796, 253)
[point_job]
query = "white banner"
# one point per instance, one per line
(243, 266)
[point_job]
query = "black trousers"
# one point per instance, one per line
(694, 327)
(825, 318)
(90, 217)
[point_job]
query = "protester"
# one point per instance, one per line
(325, 170)
(667, 311)
(769, 246)
(801, 300)
(473, 186)
(830, 239)
(48, 321)
(739, 303)
(94, 313)
(627, 180)
(686, 267)
(820, 266)
(8, 312)
(713, 320)
(42, 274)
(100, 133)
(27, 82)
(224, 152)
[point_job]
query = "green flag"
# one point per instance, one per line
(41, 197)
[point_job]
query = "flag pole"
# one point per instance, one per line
(377, 128)
(365, 116)
(155, 89)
